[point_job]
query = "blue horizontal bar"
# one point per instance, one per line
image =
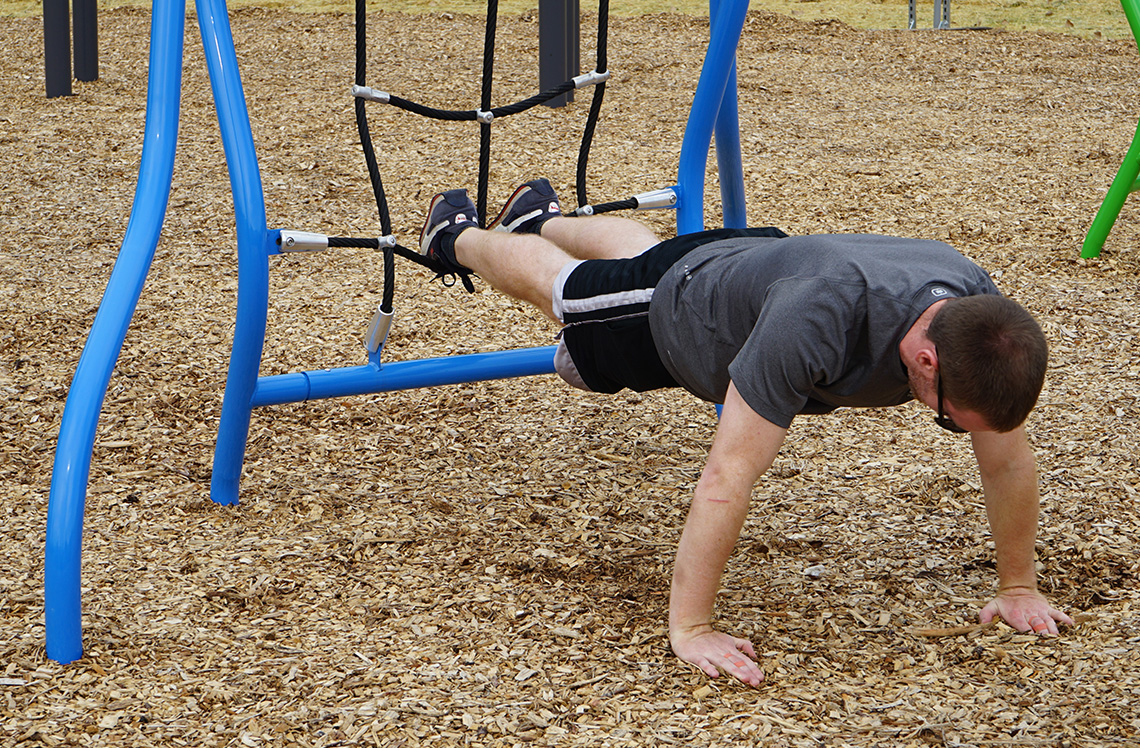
(402, 375)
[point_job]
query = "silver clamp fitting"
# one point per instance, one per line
(585, 210)
(303, 241)
(665, 197)
(385, 241)
(591, 78)
(378, 331)
(484, 117)
(371, 94)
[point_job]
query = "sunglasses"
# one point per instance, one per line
(942, 419)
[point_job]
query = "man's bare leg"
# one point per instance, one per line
(522, 266)
(602, 237)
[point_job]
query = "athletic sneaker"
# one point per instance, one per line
(531, 205)
(449, 214)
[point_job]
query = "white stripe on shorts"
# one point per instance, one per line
(556, 302)
(562, 305)
(608, 301)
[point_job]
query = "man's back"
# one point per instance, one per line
(802, 324)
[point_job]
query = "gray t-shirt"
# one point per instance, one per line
(804, 324)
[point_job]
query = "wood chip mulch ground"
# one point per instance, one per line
(489, 564)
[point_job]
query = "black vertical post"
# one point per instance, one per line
(57, 48)
(86, 29)
(558, 59)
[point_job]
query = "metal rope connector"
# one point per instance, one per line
(385, 241)
(665, 197)
(364, 92)
(302, 241)
(484, 117)
(378, 331)
(591, 78)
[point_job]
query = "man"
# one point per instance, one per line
(773, 326)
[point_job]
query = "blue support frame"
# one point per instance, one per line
(254, 245)
(92, 375)
(714, 109)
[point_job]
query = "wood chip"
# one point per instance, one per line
(489, 564)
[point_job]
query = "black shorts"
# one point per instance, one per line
(607, 345)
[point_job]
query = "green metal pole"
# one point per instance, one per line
(1122, 185)
(1125, 181)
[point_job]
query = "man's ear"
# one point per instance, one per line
(926, 358)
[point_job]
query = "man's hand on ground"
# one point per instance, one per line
(1025, 610)
(714, 653)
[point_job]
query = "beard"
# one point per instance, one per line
(918, 388)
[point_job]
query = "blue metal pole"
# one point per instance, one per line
(403, 375)
(727, 137)
(253, 248)
(720, 61)
(728, 163)
(72, 467)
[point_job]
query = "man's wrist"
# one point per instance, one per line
(1013, 587)
(688, 629)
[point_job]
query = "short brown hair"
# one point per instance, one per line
(992, 357)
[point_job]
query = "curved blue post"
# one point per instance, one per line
(726, 22)
(72, 467)
(253, 248)
(728, 161)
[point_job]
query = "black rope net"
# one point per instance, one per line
(485, 115)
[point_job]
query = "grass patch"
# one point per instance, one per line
(1088, 18)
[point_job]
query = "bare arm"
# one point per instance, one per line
(1009, 478)
(744, 447)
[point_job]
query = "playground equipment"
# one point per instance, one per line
(558, 46)
(58, 42)
(941, 15)
(714, 109)
(1126, 181)
(941, 18)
